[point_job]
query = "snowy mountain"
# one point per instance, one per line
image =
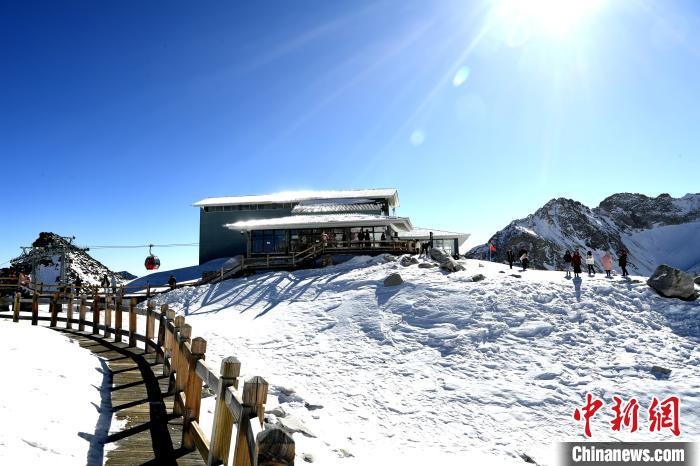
(48, 251)
(444, 369)
(653, 231)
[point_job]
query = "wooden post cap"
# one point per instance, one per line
(255, 391)
(151, 304)
(163, 308)
(230, 367)
(169, 314)
(179, 320)
(185, 331)
(275, 446)
(199, 346)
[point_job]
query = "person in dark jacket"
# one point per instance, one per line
(510, 257)
(576, 263)
(78, 285)
(172, 282)
(622, 262)
(567, 262)
(525, 260)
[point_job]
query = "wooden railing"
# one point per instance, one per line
(184, 363)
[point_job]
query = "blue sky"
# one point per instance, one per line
(116, 116)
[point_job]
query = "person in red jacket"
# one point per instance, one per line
(576, 263)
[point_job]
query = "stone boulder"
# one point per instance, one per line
(408, 260)
(445, 260)
(478, 277)
(389, 258)
(697, 280)
(393, 280)
(426, 265)
(672, 283)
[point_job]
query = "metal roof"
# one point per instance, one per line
(424, 233)
(390, 194)
(331, 207)
(322, 221)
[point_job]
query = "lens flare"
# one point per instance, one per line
(461, 76)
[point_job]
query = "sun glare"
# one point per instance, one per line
(554, 18)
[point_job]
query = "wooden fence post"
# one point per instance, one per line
(15, 307)
(167, 351)
(254, 398)
(150, 324)
(35, 309)
(69, 313)
(95, 312)
(175, 351)
(132, 322)
(181, 370)
(162, 321)
(81, 314)
(118, 322)
(274, 447)
(108, 315)
(53, 308)
(223, 418)
(193, 391)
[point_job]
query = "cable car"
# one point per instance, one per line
(152, 262)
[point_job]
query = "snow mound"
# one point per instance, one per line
(441, 364)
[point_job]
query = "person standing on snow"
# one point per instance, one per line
(114, 285)
(105, 284)
(524, 260)
(576, 263)
(567, 262)
(590, 261)
(622, 261)
(510, 256)
(606, 260)
(172, 282)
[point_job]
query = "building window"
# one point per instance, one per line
(268, 241)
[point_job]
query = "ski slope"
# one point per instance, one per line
(443, 368)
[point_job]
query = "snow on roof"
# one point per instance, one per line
(295, 196)
(333, 207)
(424, 233)
(320, 221)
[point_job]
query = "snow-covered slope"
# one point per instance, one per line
(79, 263)
(442, 368)
(653, 230)
(50, 400)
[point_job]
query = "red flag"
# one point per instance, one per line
(492, 247)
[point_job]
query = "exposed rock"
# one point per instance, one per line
(126, 275)
(672, 283)
(408, 260)
(312, 406)
(294, 425)
(515, 275)
(445, 260)
(308, 457)
(389, 258)
(393, 280)
(277, 411)
(426, 265)
(697, 280)
(478, 277)
(661, 372)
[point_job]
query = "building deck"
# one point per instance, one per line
(139, 396)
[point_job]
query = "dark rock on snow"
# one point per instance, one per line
(672, 283)
(478, 277)
(445, 260)
(426, 265)
(661, 372)
(408, 260)
(393, 280)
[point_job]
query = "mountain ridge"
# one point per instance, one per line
(652, 229)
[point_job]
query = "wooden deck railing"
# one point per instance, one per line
(184, 363)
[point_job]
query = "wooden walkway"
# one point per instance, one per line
(140, 400)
